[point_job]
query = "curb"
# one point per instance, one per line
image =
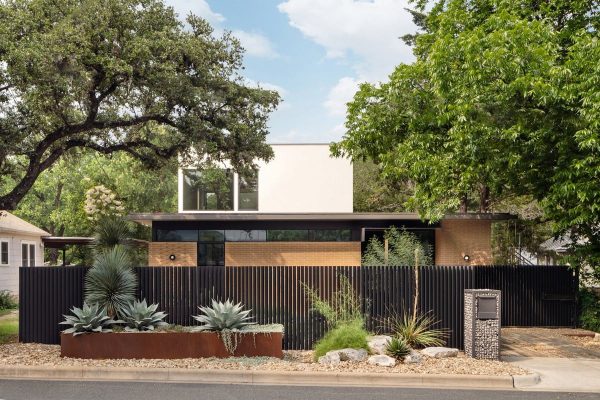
(268, 378)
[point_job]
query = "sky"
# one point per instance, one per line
(315, 53)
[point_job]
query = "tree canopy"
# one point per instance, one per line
(502, 100)
(120, 76)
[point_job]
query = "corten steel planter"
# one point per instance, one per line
(168, 345)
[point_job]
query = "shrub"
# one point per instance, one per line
(88, 319)
(111, 282)
(416, 331)
(7, 300)
(401, 249)
(344, 306)
(397, 348)
(139, 316)
(589, 315)
(345, 335)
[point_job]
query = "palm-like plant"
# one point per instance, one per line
(111, 232)
(223, 316)
(139, 316)
(111, 282)
(88, 319)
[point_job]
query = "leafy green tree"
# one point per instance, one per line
(119, 76)
(501, 101)
(374, 194)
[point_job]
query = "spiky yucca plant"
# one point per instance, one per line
(417, 330)
(111, 282)
(223, 316)
(88, 319)
(139, 316)
(397, 348)
(112, 231)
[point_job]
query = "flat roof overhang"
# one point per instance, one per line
(59, 242)
(148, 218)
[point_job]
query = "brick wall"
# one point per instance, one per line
(457, 238)
(185, 254)
(292, 253)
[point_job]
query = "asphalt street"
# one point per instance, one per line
(87, 390)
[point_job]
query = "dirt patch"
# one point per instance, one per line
(49, 355)
(549, 342)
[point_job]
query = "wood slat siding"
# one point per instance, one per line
(531, 295)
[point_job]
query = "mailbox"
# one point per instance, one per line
(482, 323)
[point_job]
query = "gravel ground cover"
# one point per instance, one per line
(49, 355)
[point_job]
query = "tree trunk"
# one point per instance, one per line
(484, 199)
(416, 297)
(463, 204)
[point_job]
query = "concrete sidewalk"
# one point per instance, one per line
(562, 374)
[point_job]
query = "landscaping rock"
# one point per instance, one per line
(413, 358)
(439, 352)
(382, 360)
(332, 357)
(377, 344)
(353, 354)
(597, 337)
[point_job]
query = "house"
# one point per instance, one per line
(296, 210)
(20, 245)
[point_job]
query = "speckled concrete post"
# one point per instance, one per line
(482, 323)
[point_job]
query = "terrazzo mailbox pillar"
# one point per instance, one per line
(482, 323)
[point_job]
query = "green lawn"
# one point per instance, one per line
(9, 330)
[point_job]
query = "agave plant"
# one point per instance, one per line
(111, 282)
(139, 316)
(88, 319)
(223, 316)
(397, 348)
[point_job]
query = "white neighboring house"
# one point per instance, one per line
(20, 244)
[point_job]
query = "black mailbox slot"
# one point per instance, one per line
(486, 307)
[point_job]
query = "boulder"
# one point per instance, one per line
(439, 352)
(382, 360)
(353, 354)
(377, 344)
(332, 357)
(413, 358)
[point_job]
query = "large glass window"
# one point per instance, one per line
(211, 254)
(248, 192)
(3, 253)
(176, 235)
(245, 235)
(209, 189)
(288, 235)
(330, 235)
(211, 236)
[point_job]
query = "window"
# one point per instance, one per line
(330, 235)
(209, 189)
(287, 235)
(248, 192)
(3, 252)
(211, 236)
(211, 254)
(245, 236)
(28, 254)
(176, 235)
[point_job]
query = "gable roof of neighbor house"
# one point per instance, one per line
(12, 224)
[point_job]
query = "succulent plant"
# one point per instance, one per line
(139, 316)
(223, 316)
(88, 319)
(397, 348)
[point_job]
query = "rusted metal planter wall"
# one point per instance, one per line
(168, 345)
(531, 295)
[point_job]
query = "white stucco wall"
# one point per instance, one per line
(9, 274)
(301, 178)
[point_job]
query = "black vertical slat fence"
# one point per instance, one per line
(531, 295)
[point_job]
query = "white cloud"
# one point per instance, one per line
(367, 30)
(341, 94)
(266, 85)
(256, 44)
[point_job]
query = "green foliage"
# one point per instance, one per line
(344, 306)
(87, 320)
(111, 232)
(373, 194)
(589, 314)
(120, 75)
(111, 282)
(402, 246)
(349, 334)
(7, 300)
(416, 331)
(9, 330)
(501, 101)
(223, 316)
(139, 316)
(397, 348)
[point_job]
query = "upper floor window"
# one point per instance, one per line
(3, 252)
(209, 189)
(248, 192)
